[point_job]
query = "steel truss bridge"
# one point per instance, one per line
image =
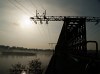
(71, 55)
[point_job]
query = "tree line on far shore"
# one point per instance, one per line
(5, 48)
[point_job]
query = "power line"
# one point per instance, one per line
(23, 7)
(19, 8)
(41, 26)
(33, 4)
(39, 31)
(45, 33)
(49, 34)
(93, 31)
(41, 5)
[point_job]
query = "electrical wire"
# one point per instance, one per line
(42, 27)
(44, 32)
(49, 35)
(96, 29)
(18, 8)
(39, 31)
(24, 7)
(41, 5)
(33, 4)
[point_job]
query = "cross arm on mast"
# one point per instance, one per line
(61, 18)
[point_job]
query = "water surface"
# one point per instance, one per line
(6, 61)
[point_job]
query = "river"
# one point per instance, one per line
(6, 61)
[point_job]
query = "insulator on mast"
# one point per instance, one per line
(41, 21)
(46, 21)
(33, 20)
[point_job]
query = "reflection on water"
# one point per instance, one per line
(6, 61)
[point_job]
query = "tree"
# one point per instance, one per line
(35, 67)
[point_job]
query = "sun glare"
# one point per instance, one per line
(25, 22)
(23, 72)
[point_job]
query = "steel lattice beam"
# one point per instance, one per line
(61, 18)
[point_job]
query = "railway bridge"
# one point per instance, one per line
(71, 55)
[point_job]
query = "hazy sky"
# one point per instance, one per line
(16, 29)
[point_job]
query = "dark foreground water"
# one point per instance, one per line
(6, 61)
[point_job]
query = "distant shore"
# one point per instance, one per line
(18, 53)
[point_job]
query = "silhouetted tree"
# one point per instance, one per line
(35, 67)
(17, 69)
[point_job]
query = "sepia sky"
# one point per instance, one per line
(16, 28)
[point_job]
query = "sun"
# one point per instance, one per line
(25, 22)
